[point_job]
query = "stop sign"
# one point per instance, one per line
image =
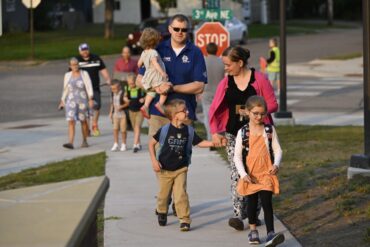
(28, 3)
(212, 32)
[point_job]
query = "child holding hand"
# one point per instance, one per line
(171, 162)
(257, 158)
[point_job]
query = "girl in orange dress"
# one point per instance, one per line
(257, 166)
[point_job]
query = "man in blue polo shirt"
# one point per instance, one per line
(186, 70)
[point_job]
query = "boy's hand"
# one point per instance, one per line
(156, 166)
(141, 100)
(274, 170)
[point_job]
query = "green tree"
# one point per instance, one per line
(165, 5)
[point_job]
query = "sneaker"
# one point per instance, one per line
(160, 108)
(174, 210)
(253, 237)
(162, 219)
(114, 148)
(68, 145)
(184, 227)
(145, 111)
(273, 239)
(236, 223)
(136, 148)
(95, 131)
(123, 147)
(84, 144)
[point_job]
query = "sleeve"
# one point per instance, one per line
(156, 136)
(102, 64)
(200, 70)
(271, 58)
(141, 70)
(278, 153)
(238, 155)
(65, 89)
(267, 92)
(197, 139)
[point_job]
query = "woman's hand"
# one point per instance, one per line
(91, 103)
(217, 140)
(274, 170)
(61, 105)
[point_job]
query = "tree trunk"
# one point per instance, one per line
(330, 12)
(108, 19)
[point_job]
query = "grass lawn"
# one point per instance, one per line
(317, 202)
(61, 44)
(292, 28)
(81, 167)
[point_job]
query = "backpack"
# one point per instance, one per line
(162, 139)
(121, 102)
(245, 143)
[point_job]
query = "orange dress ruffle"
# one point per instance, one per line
(259, 164)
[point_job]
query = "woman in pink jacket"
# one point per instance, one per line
(227, 116)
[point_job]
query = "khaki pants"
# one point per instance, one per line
(155, 123)
(175, 181)
(136, 118)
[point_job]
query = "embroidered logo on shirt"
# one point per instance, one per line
(205, 74)
(185, 59)
(167, 59)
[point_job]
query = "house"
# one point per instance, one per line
(126, 11)
(14, 16)
(134, 11)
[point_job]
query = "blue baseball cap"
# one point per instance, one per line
(83, 47)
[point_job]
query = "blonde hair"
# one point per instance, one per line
(132, 76)
(274, 41)
(172, 107)
(149, 38)
(254, 101)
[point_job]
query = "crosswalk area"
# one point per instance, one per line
(304, 89)
(326, 101)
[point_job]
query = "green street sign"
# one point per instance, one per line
(212, 14)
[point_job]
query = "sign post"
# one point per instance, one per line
(212, 32)
(31, 4)
(360, 163)
(283, 113)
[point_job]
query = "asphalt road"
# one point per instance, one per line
(31, 92)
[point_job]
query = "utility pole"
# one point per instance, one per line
(283, 113)
(360, 163)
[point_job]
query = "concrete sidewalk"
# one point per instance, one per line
(131, 196)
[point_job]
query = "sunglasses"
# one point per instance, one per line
(177, 29)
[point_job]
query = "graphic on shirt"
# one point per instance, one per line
(166, 59)
(177, 144)
(185, 59)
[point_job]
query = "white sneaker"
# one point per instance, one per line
(123, 147)
(115, 147)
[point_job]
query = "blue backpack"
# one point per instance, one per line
(162, 139)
